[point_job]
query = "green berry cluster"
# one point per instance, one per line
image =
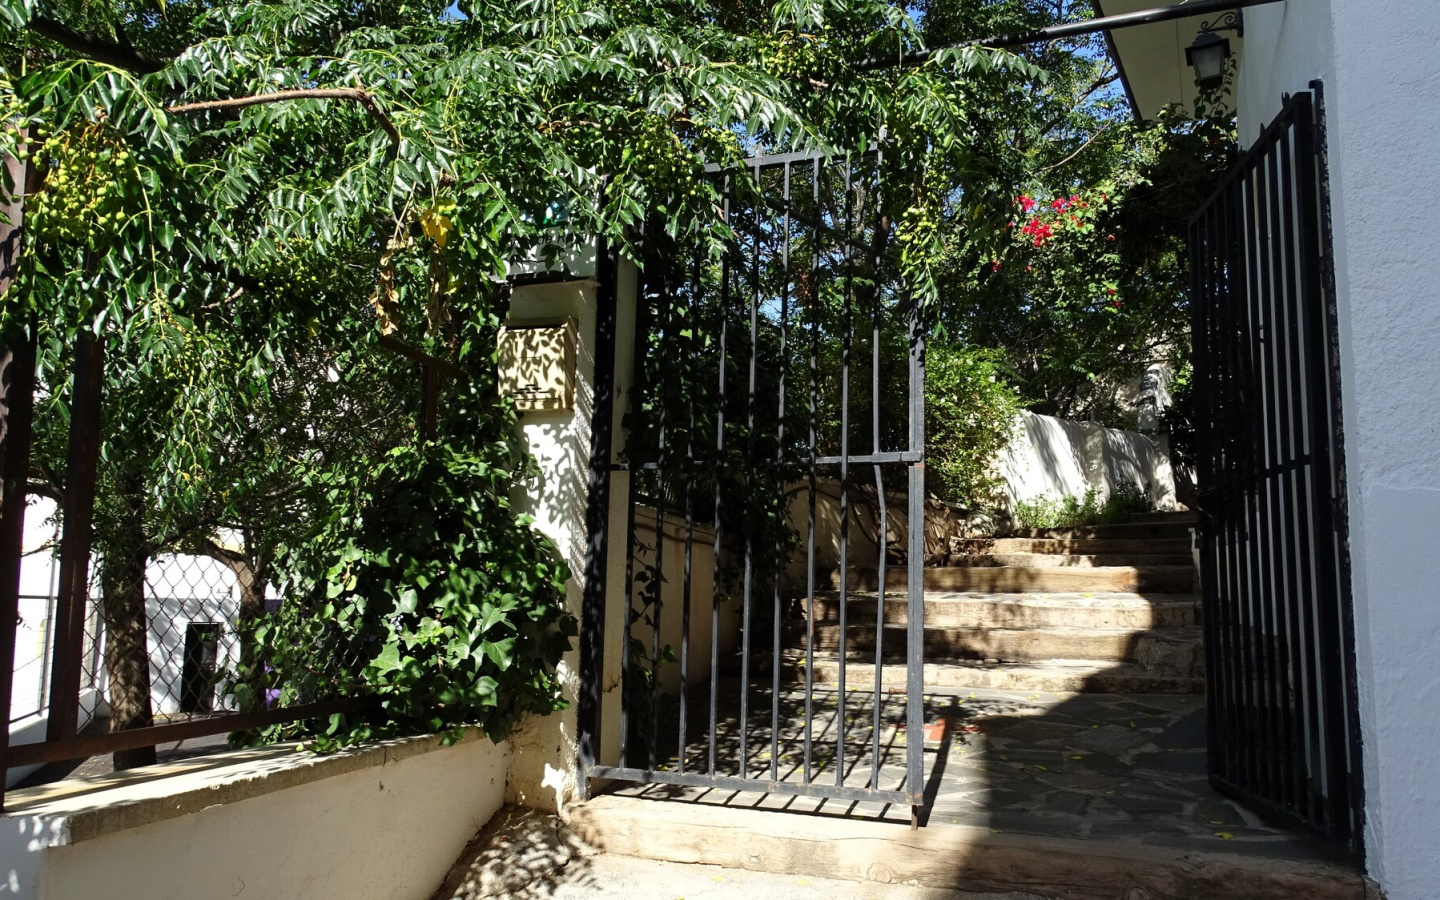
(87, 177)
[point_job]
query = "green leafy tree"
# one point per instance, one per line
(198, 155)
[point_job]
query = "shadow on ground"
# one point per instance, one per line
(520, 854)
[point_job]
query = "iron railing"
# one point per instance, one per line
(750, 367)
(1274, 562)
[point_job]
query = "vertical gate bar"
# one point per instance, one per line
(635, 471)
(1263, 550)
(880, 499)
(1203, 292)
(78, 508)
(719, 472)
(1230, 280)
(1292, 450)
(17, 365)
(815, 214)
(747, 625)
(1243, 378)
(915, 600)
(1305, 484)
(1330, 814)
(1324, 271)
(1224, 379)
(1220, 593)
(1266, 506)
(597, 510)
(1234, 336)
(663, 299)
(692, 325)
(1260, 546)
(847, 338)
(1200, 249)
(1289, 453)
(1225, 263)
(1332, 630)
(1241, 394)
(780, 474)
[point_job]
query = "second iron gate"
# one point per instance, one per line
(1274, 561)
(772, 479)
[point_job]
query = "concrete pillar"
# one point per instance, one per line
(544, 769)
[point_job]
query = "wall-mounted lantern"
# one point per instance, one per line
(1209, 52)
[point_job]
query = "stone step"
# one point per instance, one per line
(1123, 531)
(1187, 517)
(1055, 676)
(1070, 560)
(1059, 610)
(1032, 579)
(1173, 651)
(941, 859)
(1101, 546)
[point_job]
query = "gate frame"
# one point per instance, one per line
(596, 593)
(1283, 266)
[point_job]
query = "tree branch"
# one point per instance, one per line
(118, 54)
(207, 546)
(1099, 83)
(364, 98)
(1077, 152)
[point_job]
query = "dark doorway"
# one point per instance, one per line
(197, 678)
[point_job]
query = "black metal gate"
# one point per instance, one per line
(774, 423)
(1274, 558)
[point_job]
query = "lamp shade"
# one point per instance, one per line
(1207, 56)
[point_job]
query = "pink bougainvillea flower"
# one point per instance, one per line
(1026, 203)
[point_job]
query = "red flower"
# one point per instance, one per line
(1060, 204)
(995, 267)
(1026, 203)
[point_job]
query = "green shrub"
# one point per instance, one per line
(970, 415)
(1073, 511)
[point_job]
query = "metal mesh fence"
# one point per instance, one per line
(157, 629)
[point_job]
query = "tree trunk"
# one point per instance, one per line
(127, 655)
(253, 576)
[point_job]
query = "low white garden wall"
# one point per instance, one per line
(1061, 458)
(384, 821)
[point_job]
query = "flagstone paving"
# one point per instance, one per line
(1113, 767)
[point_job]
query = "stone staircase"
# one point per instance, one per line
(1108, 609)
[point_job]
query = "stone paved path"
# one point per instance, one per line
(1113, 767)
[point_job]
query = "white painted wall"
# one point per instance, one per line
(672, 597)
(389, 828)
(1381, 67)
(1059, 458)
(1287, 45)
